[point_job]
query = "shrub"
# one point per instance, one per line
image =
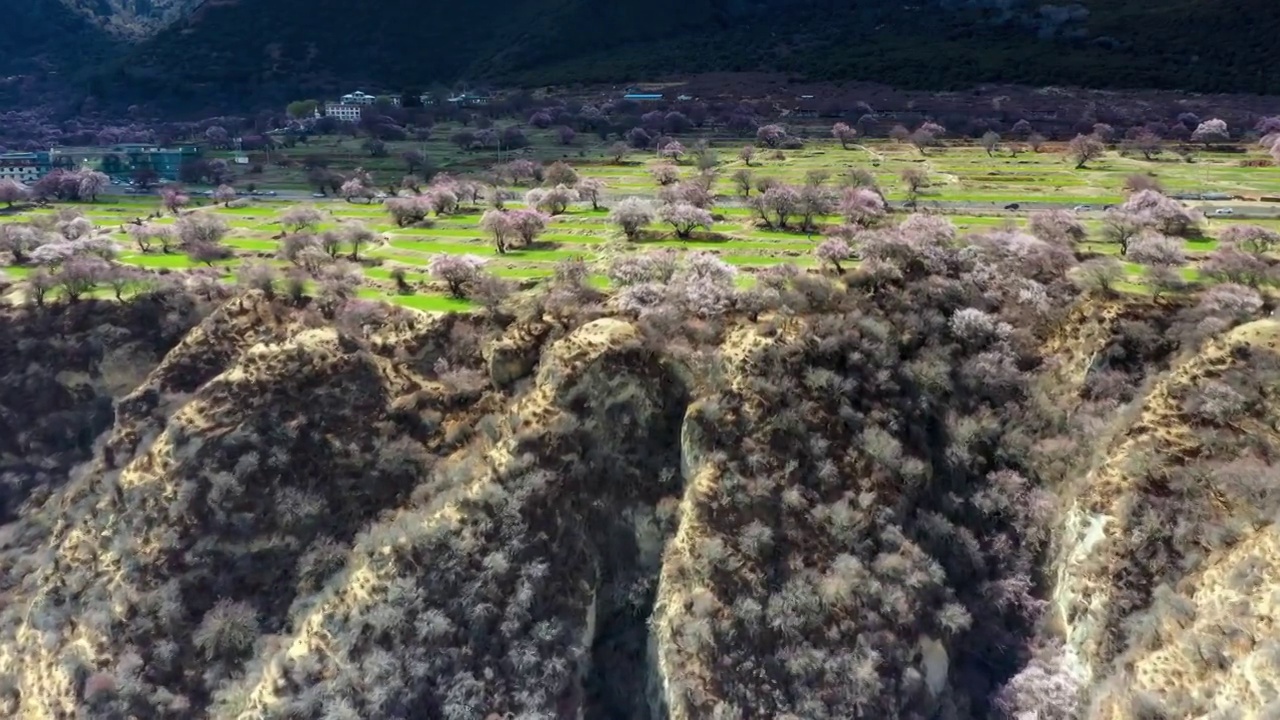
(227, 631)
(1045, 689)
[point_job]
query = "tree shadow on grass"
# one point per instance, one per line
(535, 245)
(656, 236)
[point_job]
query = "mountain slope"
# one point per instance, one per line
(132, 18)
(277, 49)
(39, 35)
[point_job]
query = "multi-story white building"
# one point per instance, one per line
(343, 111)
(358, 98)
(362, 98)
(24, 167)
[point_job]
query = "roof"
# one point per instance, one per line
(642, 96)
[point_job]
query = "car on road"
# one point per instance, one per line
(270, 193)
(318, 195)
(1083, 208)
(1224, 211)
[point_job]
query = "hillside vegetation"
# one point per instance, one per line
(947, 483)
(225, 53)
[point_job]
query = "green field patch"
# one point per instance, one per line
(764, 261)
(165, 261)
(424, 302)
(254, 245)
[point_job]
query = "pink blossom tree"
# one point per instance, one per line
(771, 136)
(632, 215)
(777, 205)
(20, 240)
(301, 218)
(12, 191)
(356, 189)
(442, 199)
(408, 210)
(845, 134)
(499, 226)
(685, 218)
(672, 150)
(1061, 227)
(927, 135)
(1211, 131)
(862, 206)
(1099, 274)
(560, 173)
(648, 267)
(1145, 142)
(1084, 148)
(201, 234)
(553, 201)
(174, 198)
(1250, 238)
(1229, 263)
(814, 202)
(92, 182)
(224, 194)
(148, 235)
(704, 285)
(356, 235)
(528, 224)
(834, 250)
(590, 189)
(665, 173)
(456, 271)
(1046, 689)
(1163, 213)
(1161, 256)
(990, 142)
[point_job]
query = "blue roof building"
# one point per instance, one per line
(642, 96)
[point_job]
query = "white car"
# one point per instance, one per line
(1082, 208)
(1224, 211)
(318, 195)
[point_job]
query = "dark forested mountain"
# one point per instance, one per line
(220, 52)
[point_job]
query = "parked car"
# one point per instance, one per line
(270, 193)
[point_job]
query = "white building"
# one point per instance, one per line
(470, 99)
(23, 167)
(358, 98)
(343, 111)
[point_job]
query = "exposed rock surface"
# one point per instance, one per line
(254, 513)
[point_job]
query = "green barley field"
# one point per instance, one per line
(966, 184)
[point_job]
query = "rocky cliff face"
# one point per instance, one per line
(258, 513)
(132, 19)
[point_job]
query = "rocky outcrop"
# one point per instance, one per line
(273, 514)
(62, 369)
(1164, 577)
(492, 598)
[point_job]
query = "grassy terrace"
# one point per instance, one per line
(970, 187)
